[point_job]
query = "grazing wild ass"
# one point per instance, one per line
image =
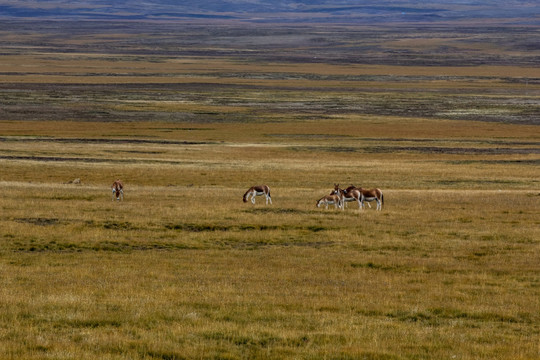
(257, 191)
(329, 200)
(117, 190)
(346, 196)
(368, 195)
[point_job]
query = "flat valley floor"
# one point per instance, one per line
(189, 116)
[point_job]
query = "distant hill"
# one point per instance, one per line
(320, 11)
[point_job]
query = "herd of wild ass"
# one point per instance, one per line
(338, 197)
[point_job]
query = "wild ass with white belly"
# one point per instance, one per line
(332, 199)
(346, 196)
(258, 190)
(368, 195)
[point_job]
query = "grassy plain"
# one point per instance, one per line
(182, 269)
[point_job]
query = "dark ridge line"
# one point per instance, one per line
(89, 160)
(105, 141)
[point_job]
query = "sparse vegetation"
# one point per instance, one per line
(183, 269)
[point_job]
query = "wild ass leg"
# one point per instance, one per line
(360, 205)
(255, 193)
(368, 200)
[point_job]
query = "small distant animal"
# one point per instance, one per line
(332, 199)
(258, 190)
(117, 190)
(76, 181)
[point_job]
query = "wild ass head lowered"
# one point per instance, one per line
(257, 190)
(332, 199)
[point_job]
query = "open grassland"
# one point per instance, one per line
(182, 269)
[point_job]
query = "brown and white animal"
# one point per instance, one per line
(369, 195)
(117, 190)
(347, 196)
(329, 200)
(258, 190)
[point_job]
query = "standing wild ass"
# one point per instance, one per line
(368, 195)
(117, 190)
(346, 197)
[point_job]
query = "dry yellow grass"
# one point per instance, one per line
(183, 269)
(176, 273)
